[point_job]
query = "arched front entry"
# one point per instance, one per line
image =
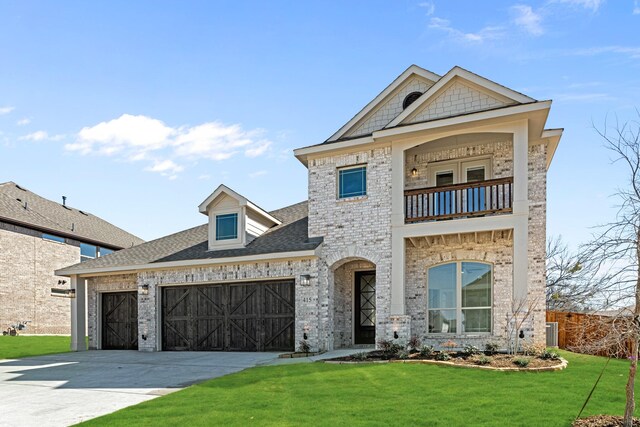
(354, 302)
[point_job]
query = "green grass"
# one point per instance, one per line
(26, 346)
(320, 394)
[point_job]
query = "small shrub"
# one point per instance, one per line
(402, 355)
(385, 345)
(360, 356)
(470, 350)
(533, 349)
(491, 348)
(549, 355)
(414, 344)
(443, 356)
(522, 362)
(426, 350)
(482, 360)
(304, 346)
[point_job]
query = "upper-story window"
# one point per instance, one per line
(227, 226)
(460, 298)
(104, 251)
(352, 182)
(88, 251)
(53, 238)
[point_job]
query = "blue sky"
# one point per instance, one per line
(136, 111)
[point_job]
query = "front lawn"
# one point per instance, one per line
(386, 394)
(26, 346)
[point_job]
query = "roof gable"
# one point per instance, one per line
(458, 92)
(224, 192)
(388, 104)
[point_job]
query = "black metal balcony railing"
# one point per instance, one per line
(490, 197)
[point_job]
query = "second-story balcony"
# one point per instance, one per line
(465, 200)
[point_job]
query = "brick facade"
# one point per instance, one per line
(27, 263)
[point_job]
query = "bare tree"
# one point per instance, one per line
(576, 281)
(521, 314)
(617, 247)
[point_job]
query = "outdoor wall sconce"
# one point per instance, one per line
(144, 290)
(305, 280)
(521, 333)
(305, 336)
(395, 335)
(414, 172)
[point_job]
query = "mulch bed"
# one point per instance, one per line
(456, 358)
(602, 421)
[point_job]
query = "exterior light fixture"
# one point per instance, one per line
(305, 336)
(305, 279)
(414, 172)
(144, 290)
(395, 335)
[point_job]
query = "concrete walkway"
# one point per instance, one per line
(65, 389)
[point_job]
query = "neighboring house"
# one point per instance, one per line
(37, 237)
(426, 216)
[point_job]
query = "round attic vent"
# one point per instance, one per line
(410, 98)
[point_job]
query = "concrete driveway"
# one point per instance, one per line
(64, 389)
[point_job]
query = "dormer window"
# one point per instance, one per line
(234, 221)
(227, 226)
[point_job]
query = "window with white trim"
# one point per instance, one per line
(227, 226)
(459, 298)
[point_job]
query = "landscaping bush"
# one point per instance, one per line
(522, 362)
(549, 355)
(470, 350)
(414, 344)
(402, 354)
(426, 350)
(491, 348)
(304, 347)
(483, 360)
(360, 356)
(442, 356)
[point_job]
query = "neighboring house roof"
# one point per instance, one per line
(23, 207)
(192, 244)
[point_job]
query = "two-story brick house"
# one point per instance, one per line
(426, 216)
(38, 236)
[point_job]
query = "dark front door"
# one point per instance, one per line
(365, 307)
(231, 317)
(120, 321)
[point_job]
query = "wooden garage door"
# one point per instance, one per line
(120, 321)
(231, 317)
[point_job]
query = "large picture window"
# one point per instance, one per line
(227, 226)
(352, 182)
(459, 298)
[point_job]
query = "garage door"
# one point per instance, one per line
(120, 321)
(230, 317)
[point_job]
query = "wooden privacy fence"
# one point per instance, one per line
(590, 333)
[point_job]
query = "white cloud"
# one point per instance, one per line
(142, 138)
(594, 5)
(23, 122)
(204, 176)
(631, 51)
(429, 7)
(6, 110)
(636, 7)
(484, 34)
(257, 174)
(528, 20)
(41, 136)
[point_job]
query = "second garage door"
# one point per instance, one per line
(231, 317)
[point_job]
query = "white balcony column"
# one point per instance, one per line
(397, 222)
(521, 210)
(78, 314)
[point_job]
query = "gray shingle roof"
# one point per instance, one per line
(192, 244)
(21, 206)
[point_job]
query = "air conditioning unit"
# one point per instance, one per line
(552, 334)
